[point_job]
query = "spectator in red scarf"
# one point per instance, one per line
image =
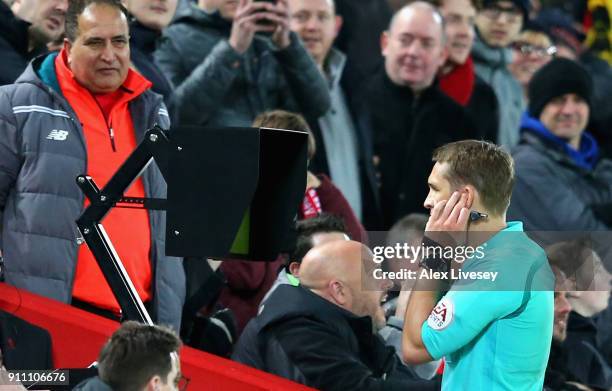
(457, 76)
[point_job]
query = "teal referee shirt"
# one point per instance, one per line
(496, 335)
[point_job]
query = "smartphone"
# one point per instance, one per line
(266, 22)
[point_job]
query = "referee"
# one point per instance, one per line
(493, 335)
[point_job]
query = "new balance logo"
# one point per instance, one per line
(57, 135)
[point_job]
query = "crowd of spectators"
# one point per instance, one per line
(378, 85)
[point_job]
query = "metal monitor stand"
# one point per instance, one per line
(154, 146)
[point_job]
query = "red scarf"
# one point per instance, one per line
(459, 83)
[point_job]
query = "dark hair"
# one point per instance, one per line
(76, 8)
(307, 228)
(484, 165)
(135, 353)
(280, 119)
(408, 229)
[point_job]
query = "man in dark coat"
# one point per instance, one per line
(363, 23)
(322, 333)
(25, 30)
(410, 116)
(149, 20)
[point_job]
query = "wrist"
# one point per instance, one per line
(282, 41)
(434, 258)
(238, 47)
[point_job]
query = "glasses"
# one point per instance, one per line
(528, 49)
(494, 11)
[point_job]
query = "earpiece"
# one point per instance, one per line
(475, 215)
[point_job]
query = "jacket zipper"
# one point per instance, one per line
(109, 125)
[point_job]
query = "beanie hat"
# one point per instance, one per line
(559, 77)
(523, 5)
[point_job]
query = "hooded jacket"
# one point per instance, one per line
(216, 86)
(42, 151)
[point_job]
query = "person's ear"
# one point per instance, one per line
(384, 42)
(470, 191)
(68, 49)
(339, 293)
(154, 383)
(444, 54)
(294, 268)
(338, 27)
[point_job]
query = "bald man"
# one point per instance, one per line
(334, 272)
(322, 333)
(411, 115)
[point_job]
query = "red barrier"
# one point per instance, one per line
(78, 336)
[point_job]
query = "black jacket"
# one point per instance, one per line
(363, 23)
(143, 42)
(307, 339)
(13, 46)
(584, 361)
(484, 110)
(407, 129)
(24, 345)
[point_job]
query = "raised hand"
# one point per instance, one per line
(248, 21)
(448, 220)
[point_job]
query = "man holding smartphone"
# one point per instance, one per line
(232, 60)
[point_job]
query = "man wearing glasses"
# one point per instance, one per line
(532, 50)
(498, 24)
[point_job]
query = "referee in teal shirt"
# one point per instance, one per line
(493, 326)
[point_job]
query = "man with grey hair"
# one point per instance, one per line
(410, 114)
